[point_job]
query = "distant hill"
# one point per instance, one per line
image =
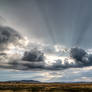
(35, 81)
(25, 81)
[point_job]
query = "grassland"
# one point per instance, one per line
(45, 87)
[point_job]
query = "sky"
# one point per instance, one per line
(46, 39)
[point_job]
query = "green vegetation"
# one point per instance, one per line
(45, 87)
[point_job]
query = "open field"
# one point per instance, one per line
(45, 87)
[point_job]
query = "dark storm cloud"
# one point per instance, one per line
(77, 53)
(81, 57)
(8, 36)
(33, 55)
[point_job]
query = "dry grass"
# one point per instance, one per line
(45, 87)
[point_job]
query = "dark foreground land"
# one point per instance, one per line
(45, 87)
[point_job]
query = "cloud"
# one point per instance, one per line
(10, 43)
(33, 56)
(77, 53)
(81, 57)
(14, 54)
(8, 36)
(35, 60)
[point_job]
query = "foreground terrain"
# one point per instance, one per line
(45, 87)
